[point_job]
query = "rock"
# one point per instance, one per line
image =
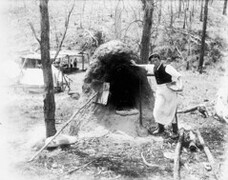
(60, 140)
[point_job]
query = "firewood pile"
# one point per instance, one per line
(194, 142)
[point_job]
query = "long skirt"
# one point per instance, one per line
(166, 102)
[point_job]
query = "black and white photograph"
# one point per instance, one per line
(113, 90)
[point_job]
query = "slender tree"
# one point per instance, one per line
(171, 13)
(160, 12)
(148, 7)
(201, 11)
(224, 7)
(179, 11)
(201, 60)
(49, 98)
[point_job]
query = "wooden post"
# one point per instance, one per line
(176, 170)
(83, 61)
(140, 103)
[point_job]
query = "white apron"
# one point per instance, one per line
(165, 106)
(166, 100)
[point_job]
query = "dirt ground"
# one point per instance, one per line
(100, 153)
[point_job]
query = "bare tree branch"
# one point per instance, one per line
(64, 34)
(91, 35)
(34, 32)
(135, 21)
(148, 164)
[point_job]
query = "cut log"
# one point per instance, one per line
(192, 144)
(205, 148)
(207, 152)
(176, 170)
(201, 108)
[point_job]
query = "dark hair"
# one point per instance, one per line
(154, 55)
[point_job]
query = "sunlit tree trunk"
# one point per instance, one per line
(201, 60)
(185, 19)
(201, 11)
(146, 33)
(160, 12)
(224, 7)
(179, 12)
(49, 99)
(171, 13)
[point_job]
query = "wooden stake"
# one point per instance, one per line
(176, 170)
(58, 132)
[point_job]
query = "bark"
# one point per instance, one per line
(185, 18)
(179, 8)
(160, 12)
(49, 99)
(224, 7)
(146, 34)
(201, 60)
(171, 12)
(201, 11)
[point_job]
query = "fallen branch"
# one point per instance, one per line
(176, 168)
(201, 108)
(81, 167)
(207, 152)
(57, 133)
(205, 148)
(148, 164)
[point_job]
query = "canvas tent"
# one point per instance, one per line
(32, 74)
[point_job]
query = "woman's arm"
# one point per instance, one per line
(176, 78)
(148, 67)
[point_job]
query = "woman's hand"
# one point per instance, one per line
(133, 63)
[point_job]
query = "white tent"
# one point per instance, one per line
(32, 74)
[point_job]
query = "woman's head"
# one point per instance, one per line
(154, 58)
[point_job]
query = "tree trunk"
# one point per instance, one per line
(179, 8)
(147, 24)
(201, 11)
(171, 12)
(49, 99)
(200, 67)
(224, 7)
(185, 19)
(160, 12)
